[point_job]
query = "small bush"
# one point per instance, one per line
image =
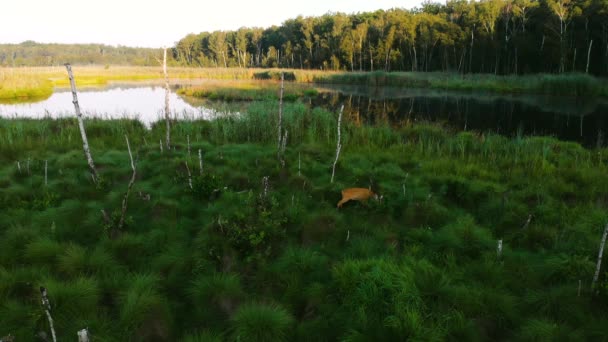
(261, 322)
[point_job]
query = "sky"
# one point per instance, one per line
(152, 23)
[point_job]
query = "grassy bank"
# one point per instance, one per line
(546, 84)
(196, 264)
(16, 86)
(248, 91)
(35, 82)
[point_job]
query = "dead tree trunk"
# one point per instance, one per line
(588, 56)
(338, 145)
(189, 175)
(167, 109)
(83, 335)
(83, 134)
(599, 258)
(200, 161)
(280, 124)
(123, 211)
(47, 309)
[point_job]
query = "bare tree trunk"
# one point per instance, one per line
(47, 309)
(83, 335)
(224, 57)
(126, 198)
(83, 133)
(588, 56)
(189, 175)
(188, 140)
(338, 145)
(167, 109)
(200, 161)
(471, 49)
(542, 44)
(280, 124)
(516, 62)
(599, 258)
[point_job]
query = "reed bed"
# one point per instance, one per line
(564, 84)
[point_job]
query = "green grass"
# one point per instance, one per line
(34, 83)
(204, 265)
(248, 91)
(18, 87)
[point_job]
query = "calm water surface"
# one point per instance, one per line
(582, 120)
(145, 103)
(573, 119)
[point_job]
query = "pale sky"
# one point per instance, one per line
(152, 23)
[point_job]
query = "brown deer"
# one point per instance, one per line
(357, 194)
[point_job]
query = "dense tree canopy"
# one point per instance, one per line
(488, 36)
(491, 36)
(30, 53)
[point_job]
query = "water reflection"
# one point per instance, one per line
(145, 103)
(582, 120)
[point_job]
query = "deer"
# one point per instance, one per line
(357, 194)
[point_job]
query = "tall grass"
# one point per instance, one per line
(37, 82)
(247, 91)
(15, 85)
(198, 264)
(547, 84)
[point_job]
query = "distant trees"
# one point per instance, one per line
(497, 36)
(30, 53)
(489, 36)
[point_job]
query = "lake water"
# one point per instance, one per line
(145, 103)
(567, 118)
(582, 120)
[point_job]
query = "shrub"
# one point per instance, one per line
(259, 322)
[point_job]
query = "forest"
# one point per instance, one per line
(30, 53)
(489, 36)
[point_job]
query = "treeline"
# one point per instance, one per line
(30, 53)
(489, 36)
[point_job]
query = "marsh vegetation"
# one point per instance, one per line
(229, 258)
(221, 233)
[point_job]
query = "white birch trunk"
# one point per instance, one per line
(83, 134)
(167, 109)
(338, 145)
(588, 56)
(131, 182)
(83, 335)
(599, 258)
(47, 309)
(280, 124)
(189, 176)
(200, 161)
(188, 139)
